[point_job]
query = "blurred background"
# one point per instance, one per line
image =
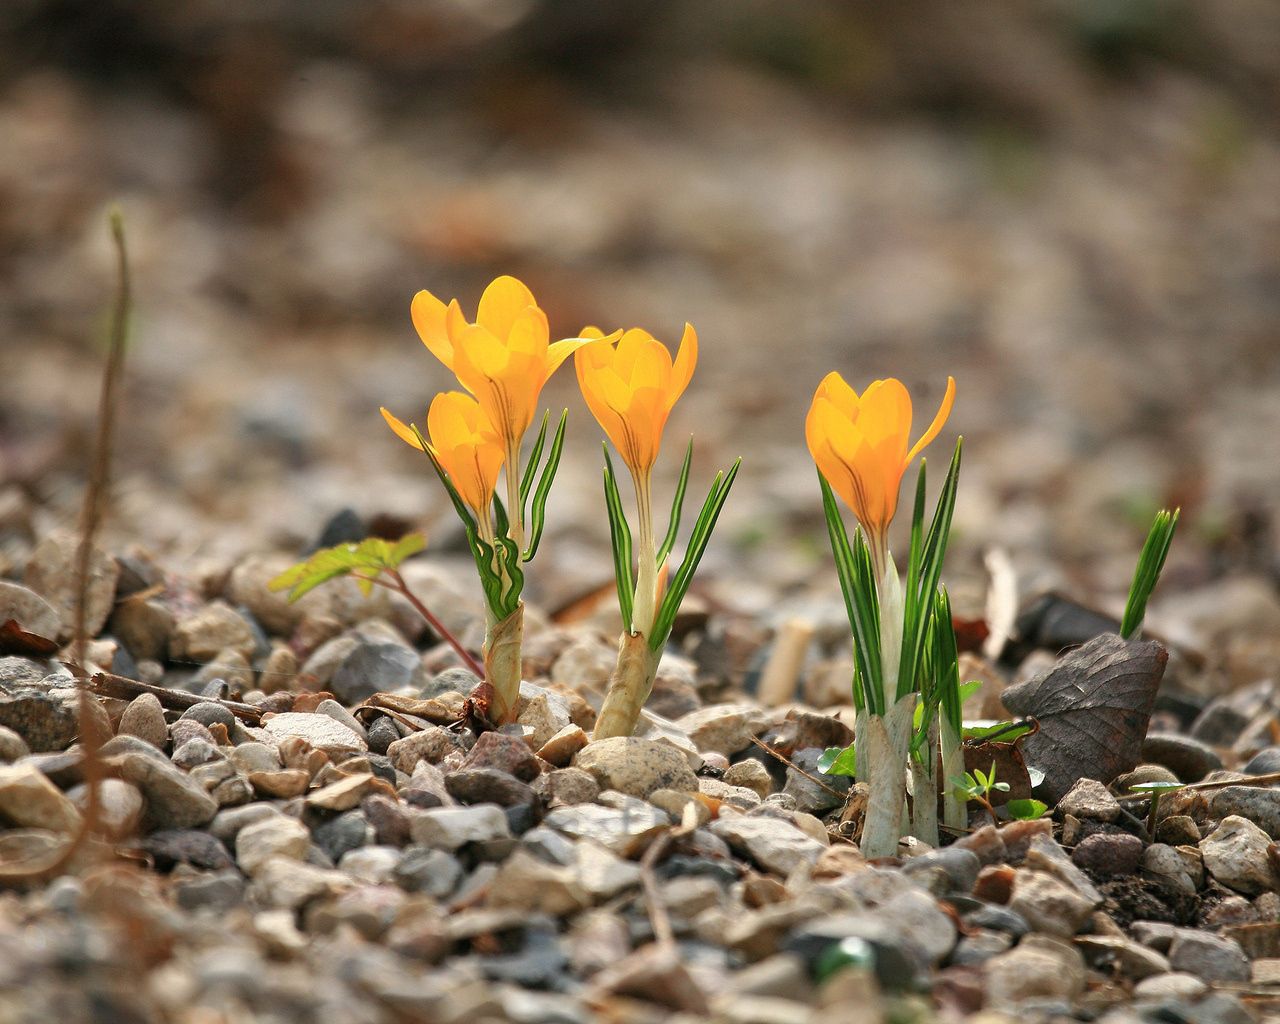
(1073, 207)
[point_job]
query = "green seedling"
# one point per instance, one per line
(978, 786)
(1147, 574)
(1156, 791)
(373, 562)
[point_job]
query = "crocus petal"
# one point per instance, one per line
(834, 388)
(478, 353)
(830, 465)
(428, 314)
(944, 411)
(559, 351)
(529, 333)
(404, 432)
(466, 445)
(502, 302)
(629, 384)
(884, 417)
(686, 360)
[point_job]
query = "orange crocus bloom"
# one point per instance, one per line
(859, 443)
(464, 441)
(631, 386)
(503, 358)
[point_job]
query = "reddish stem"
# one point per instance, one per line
(402, 588)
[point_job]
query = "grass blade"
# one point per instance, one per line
(531, 467)
(677, 506)
(867, 630)
(501, 524)
(702, 530)
(538, 514)
(932, 554)
(866, 635)
(914, 602)
(946, 661)
(620, 541)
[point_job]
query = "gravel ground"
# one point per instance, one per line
(1076, 218)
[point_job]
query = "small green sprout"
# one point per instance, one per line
(979, 785)
(371, 562)
(838, 761)
(1147, 574)
(1156, 790)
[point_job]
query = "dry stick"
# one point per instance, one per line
(1256, 780)
(108, 684)
(782, 670)
(791, 764)
(663, 933)
(1251, 782)
(95, 501)
(399, 586)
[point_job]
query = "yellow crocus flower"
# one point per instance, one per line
(631, 386)
(860, 444)
(464, 441)
(504, 358)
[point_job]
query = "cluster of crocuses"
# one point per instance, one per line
(902, 632)
(630, 383)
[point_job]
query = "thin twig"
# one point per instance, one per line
(91, 516)
(1250, 782)
(108, 684)
(791, 764)
(659, 919)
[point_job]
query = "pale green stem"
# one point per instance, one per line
(629, 687)
(515, 507)
(637, 665)
(955, 811)
(644, 608)
(924, 790)
(888, 736)
(887, 740)
(891, 611)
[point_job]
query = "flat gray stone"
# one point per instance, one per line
(772, 843)
(451, 828)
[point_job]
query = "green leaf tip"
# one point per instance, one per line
(1147, 574)
(369, 558)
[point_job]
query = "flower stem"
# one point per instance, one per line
(645, 607)
(515, 507)
(502, 665)
(629, 687)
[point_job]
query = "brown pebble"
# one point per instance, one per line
(837, 861)
(561, 748)
(994, 884)
(761, 890)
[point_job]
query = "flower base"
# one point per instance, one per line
(502, 666)
(629, 687)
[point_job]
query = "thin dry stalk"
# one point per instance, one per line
(93, 512)
(791, 764)
(107, 684)
(782, 670)
(659, 919)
